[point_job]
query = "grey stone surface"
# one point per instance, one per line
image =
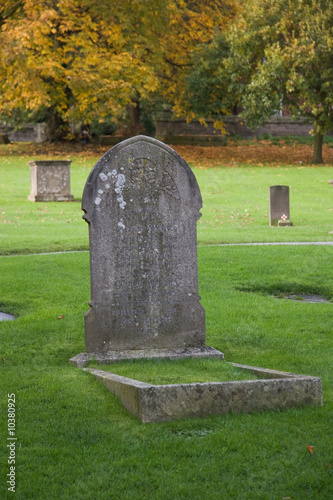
(6, 317)
(50, 180)
(158, 403)
(303, 297)
(142, 203)
(27, 132)
(277, 126)
(112, 356)
(283, 223)
(278, 204)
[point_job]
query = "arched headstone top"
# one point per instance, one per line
(143, 166)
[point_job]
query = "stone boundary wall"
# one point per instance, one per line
(277, 126)
(28, 132)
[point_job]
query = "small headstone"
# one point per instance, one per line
(279, 213)
(142, 203)
(50, 180)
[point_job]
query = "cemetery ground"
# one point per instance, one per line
(74, 438)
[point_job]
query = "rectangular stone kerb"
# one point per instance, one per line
(159, 403)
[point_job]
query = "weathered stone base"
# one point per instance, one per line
(159, 403)
(282, 223)
(82, 359)
(51, 197)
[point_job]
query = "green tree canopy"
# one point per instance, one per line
(275, 52)
(84, 59)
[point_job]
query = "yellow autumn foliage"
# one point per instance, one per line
(83, 59)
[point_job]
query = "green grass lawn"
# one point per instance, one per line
(75, 439)
(34, 227)
(236, 204)
(235, 207)
(183, 371)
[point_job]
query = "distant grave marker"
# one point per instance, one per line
(279, 211)
(50, 180)
(142, 203)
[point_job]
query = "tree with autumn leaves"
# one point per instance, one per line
(276, 53)
(80, 60)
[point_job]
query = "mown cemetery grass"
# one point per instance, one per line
(75, 439)
(185, 371)
(236, 205)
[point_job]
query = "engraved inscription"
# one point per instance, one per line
(143, 250)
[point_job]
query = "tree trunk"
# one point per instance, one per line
(56, 129)
(318, 148)
(135, 126)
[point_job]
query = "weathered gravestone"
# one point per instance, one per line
(50, 180)
(279, 212)
(142, 203)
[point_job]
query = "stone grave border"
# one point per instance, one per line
(82, 359)
(276, 390)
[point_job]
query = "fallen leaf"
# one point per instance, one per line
(60, 317)
(249, 152)
(310, 449)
